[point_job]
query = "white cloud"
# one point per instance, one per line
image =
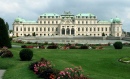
(31, 9)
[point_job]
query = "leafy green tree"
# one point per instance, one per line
(7, 26)
(4, 36)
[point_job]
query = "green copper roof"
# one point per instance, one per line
(104, 22)
(30, 22)
(50, 14)
(115, 20)
(24, 21)
(85, 14)
(19, 20)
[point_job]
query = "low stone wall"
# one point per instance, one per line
(126, 38)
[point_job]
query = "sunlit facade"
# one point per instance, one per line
(67, 24)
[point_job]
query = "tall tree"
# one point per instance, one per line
(4, 36)
(7, 26)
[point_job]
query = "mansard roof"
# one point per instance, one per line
(104, 22)
(24, 21)
(50, 14)
(85, 14)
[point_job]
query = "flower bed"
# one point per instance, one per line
(44, 69)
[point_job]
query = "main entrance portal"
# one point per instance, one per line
(68, 31)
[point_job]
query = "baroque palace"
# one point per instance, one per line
(67, 24)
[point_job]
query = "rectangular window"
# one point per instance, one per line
(48, 29)
(86, 29)
(36, 29)
(28, 29)
(44, 29)
(56, 16)
(78, 22)
(40, 22)
(86, 22)
(24, 29)
(94, 29)
(82, 29)
(32, 29)
(44, 22)
(102, 29)
(56, 22)
(106, 29)
(40, 16)
(57, 29)
(82, 22)
(98, 29)
(40, 29)
(90, 29)
(78, 29)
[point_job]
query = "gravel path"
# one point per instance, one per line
(1, 73)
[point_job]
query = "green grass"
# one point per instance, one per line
(97, 64)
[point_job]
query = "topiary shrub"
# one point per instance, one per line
(26, 54)
(118, 45)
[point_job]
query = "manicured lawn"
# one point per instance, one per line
(97, 64)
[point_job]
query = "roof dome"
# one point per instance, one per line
(116, 20)
(19, 20)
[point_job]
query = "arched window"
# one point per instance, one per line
(67, 31)
(72, 31)
(63, 31)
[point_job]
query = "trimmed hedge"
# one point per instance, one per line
(26, 54)
(118, 45)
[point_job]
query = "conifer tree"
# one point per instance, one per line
(4, 36)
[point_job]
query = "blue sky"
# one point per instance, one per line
(32, 9)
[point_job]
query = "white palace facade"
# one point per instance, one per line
(67, 24)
